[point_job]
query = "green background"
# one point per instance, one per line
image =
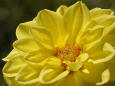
(13, 12)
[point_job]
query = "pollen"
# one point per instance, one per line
(68, 53)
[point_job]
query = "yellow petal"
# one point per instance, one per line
(110, 34)
(95, 71)
(73, 79)
(85, 71)
(13, 66)
(13, 82)
(38, 56)
(108, 21)
(111, 67)
(61, 10)
(30, 74)
(94, 41)
(30, 29)
(42, 36)
(107, 47)
(54, 62)
(90, 35)
(82, 57)
(79, 81)
(105, 20)
(54, 24)
(106, 54)
(97, 44)
(76, 18)
(38, 59)
(110, 39)
(53, 71)
(105, 77)
(27, 75)
(23, 30)
(97, 12)
(14, 53)
(48, 76)
(75, 66)
(7, 79)
(33, 30)
(26, 45)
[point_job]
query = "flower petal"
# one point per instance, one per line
(26, 45)
(48, 76)
(38, 59)
(105, 20)
(61, 10)
(108, 49)
(75, 66)
(110, 35)
(90, 36)
(76, 18)
(105, 77)
(82, 57)
(54, 62)
(97, 12)
(95, 71)
(23, 30)
(111, 68)
(54, 24)
(110, 39)
(13, 66)
(38, 56)
(31, 30)
(31, 75)
(107, 31)
(79, 81)
(73, 79)
(27, 75)
(53, 71)
(15, 83)
(14, 53)
(42, 36)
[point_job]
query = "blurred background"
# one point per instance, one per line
(13, 12)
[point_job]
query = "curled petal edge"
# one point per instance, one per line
(60, 76)
(105, 77)
(106, 47)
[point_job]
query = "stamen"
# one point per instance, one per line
(69, 53)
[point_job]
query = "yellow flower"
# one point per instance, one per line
(73, 46)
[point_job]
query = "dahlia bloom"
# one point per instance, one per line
(73, 46)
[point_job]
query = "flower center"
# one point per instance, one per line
(68, 53)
